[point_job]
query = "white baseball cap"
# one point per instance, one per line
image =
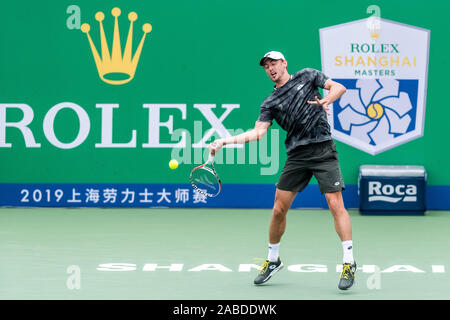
(274, 55)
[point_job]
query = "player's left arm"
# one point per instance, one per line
(335, 91)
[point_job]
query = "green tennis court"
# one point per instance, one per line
(210, 254)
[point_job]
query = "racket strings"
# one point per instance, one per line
(205, 181)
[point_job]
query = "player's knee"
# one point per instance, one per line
(280, 210)
(336, 206)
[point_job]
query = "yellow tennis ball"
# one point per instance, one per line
(375, 111)
(173, 164)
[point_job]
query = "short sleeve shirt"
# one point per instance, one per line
(304, 123)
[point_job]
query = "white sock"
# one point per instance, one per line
(347, 246)
(273, 252)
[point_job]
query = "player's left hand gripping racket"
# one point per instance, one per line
(204, 179)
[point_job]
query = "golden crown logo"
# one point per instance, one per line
(116, 65)
(374, 26)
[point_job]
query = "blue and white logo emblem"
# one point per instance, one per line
(376, 111)
(385, 74)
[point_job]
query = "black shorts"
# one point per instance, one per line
(318, 159)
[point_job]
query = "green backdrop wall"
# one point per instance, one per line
(198, 52)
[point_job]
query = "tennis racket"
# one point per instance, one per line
(204, 179)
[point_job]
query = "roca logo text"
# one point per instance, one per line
(391, 193)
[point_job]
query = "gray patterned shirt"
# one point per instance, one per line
(304, 123)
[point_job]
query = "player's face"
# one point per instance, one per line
(275, 69)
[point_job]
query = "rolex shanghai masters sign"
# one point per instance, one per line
(384, 65)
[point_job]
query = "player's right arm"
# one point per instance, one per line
(255, 134)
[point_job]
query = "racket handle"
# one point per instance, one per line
(210, 158)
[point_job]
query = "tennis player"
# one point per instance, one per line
(296, 105)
